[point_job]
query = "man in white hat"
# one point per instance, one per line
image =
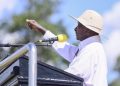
(87, 60)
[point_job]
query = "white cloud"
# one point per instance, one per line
(112, 47)
(7, 7)
(112, 30)
(11, 38)
(112, 18)
(4, 5)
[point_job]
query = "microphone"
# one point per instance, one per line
(60, 38)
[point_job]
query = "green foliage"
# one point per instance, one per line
(117, 66)
(115, 82)
(39, 10)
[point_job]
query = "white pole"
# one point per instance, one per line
(32, 65)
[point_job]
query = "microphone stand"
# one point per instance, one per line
(19, 45)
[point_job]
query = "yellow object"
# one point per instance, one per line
(62, 38)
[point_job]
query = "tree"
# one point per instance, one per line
(40, 10)
(117, 66)
(116, 82)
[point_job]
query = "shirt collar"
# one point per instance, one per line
(88, 41)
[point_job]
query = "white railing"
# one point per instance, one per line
(31, 49)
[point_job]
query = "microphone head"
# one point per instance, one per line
(62, 37)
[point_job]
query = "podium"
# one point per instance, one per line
(16, 74)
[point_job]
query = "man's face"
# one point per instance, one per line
(81, 32)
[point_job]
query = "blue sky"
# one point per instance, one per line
(108, 8)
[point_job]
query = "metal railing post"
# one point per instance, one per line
(32, 52)
(32, 65)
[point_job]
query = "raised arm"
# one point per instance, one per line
(32, 24)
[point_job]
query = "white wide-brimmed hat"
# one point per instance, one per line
(92, 20)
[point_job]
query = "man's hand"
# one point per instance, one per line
(32, 24)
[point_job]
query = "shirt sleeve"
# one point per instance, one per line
(63, 48)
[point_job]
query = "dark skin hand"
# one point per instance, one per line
(32, 24)
(83, 32)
